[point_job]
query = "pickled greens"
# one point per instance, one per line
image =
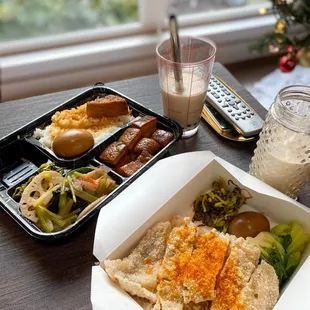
(218, 207)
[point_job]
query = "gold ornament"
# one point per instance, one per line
(273, 49)
(303, 57)
(280, 26)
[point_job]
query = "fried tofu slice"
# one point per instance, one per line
(162, 137)
(114, 153)
(237, 271)
(207, 260)
(130, 137)
(261, 292)
(137, 273)
(178, 253)
(109, 106)
(130, 168)
(146, 144)
(147, 125)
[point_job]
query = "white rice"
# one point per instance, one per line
(44, 136)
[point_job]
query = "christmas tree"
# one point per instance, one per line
(291, 34)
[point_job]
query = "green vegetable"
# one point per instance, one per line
(113, 187)
(218, 207)
(69, 181)
(45, 222)
(85, 196)
(282, 248)
(51, 218)
(75, 212)
(281, 229)
(42, 199)
(102, 188)
(292, 262)
(272, 252)
(65, 204)
(300, 238)
(80, 171)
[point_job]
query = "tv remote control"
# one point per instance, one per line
(233, 108)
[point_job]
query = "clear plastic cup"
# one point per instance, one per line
(184, 104)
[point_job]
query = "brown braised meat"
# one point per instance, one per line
(130, 168)
(147, 125)
(163, 137)
(108, 106)
(147, 144)
(130, 137)
(144, 157)
(114, 153)
(123, 161)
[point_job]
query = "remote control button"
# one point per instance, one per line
(243, 106)
(229, 110)
(224, 106)
(243, 117)
(215, 95)
(248, 110)
(239, 114)
(222, 95)
(215, 87)
(244, 112)
(249, 116)
(235, 107)
(221, 86)
(212, 78)
(220, 100)
(238, 101)
(218, 91)
(233, 114)
(226, 92)
(227, 99)
(252, 113)
(209, 90)
(233, 96)
(237, 118)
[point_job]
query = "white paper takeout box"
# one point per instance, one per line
(169, 188)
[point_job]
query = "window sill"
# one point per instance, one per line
(60, 68)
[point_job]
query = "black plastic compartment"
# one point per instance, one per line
(90, 94)
(21, 155)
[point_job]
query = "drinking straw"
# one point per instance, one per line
(176, 55)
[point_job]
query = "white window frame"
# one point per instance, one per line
(40, 65)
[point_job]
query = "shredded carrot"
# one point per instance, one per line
(88, 180)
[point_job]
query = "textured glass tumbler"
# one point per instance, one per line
(282, 156)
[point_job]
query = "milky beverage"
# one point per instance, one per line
(184, 108)
(285, 168)
(281, 173)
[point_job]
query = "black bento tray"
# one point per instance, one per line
(21, 155)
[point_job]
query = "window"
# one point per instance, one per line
(20, 19)
(185, 7)
(52, 45)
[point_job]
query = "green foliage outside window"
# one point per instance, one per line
(30, 18)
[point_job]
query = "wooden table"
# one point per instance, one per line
(35, 275)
